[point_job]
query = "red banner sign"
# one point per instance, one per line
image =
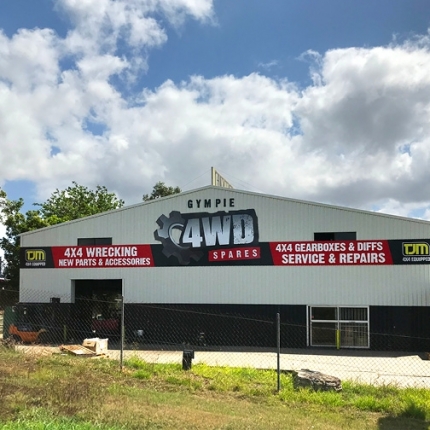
(102, 256)
(357, 252)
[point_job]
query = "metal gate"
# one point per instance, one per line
(339, 326)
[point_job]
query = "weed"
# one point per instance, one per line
(41, 419)
(142, 374)
(66, 392)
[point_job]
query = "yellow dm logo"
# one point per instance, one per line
(35, 255)
(416, 248)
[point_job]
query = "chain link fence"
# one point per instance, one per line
(214, 335)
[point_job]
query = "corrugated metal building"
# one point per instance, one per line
(362, 274)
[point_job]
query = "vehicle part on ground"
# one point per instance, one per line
(25, 333)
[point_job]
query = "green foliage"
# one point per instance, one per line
(74, 202)
(136, 363)
(142, 374)
(160, 190)
(146, 370)
(16, 223)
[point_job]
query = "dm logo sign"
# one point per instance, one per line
(415, 249)
(185, 235)
(35, 255)
(35, 258)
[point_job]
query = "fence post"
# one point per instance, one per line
(122, 334)
(278, 349)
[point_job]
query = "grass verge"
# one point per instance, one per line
(63, 392)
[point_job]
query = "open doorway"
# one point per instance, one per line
(98, 307)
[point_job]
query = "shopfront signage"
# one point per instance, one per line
(228, 237)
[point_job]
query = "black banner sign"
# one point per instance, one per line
(226, 247)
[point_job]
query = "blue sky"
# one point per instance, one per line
(245, 35)
(325, 101)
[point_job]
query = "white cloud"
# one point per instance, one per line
(29, 59)
(269, 65)
(357, 136)
(404, 209)
(369, 116)
(101, 24)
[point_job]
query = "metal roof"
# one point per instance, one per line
(230, 191)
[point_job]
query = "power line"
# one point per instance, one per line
(247, 184)
(195, 179)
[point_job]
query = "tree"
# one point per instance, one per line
(74, 202)
(161, 190)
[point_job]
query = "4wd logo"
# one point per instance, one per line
(183, 235)
(35, 257)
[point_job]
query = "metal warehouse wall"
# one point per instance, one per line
(278, 219)
(390, 285)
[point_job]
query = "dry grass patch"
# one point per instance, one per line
(64, 392)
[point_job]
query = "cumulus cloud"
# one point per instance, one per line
(369, 114)
(29, 59)
(357, 136)
(101, 25)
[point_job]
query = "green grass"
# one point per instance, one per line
(64, 392)
(40, 419)
(250, 382)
